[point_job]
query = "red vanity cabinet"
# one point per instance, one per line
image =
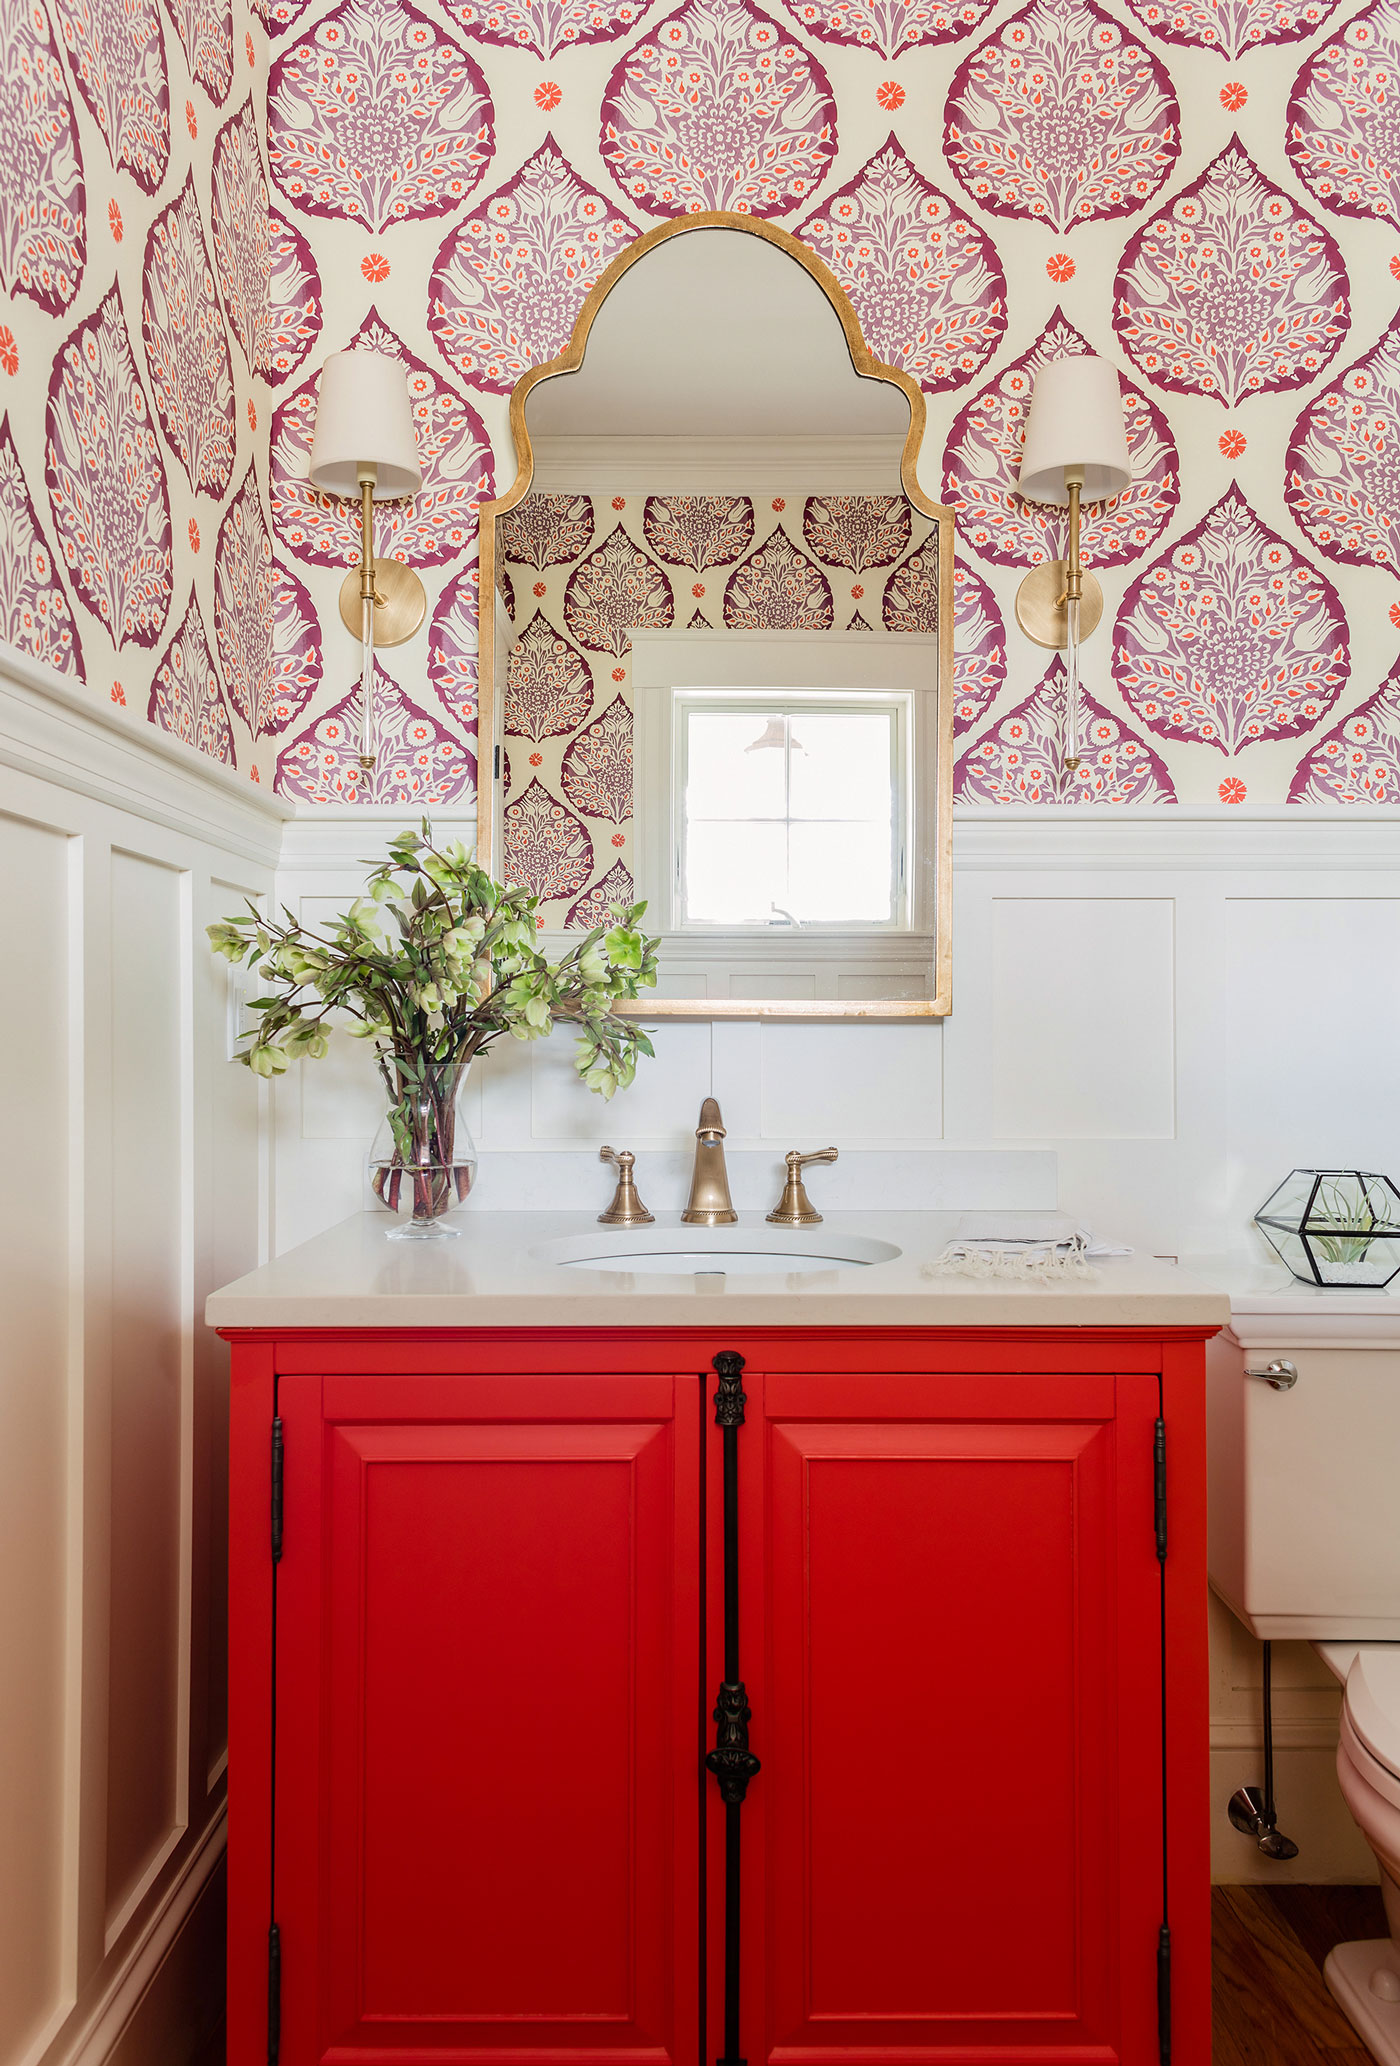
(470, 1818)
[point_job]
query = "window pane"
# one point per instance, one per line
(734, 872)
(840, 872)
(728, 773)
(844, 770)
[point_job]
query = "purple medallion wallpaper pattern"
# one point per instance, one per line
(267, 276)
(1233, 291)
(512, 276)
(130, 407)
(1021, 758)
(1341, 131)
(1231, 637)
(717, 107)
(43, 227)
(205, 30)
(198, 202)
(187, 697)
(106, 481)
(1061, 117)
(418, 761)
(924, 280)
(116, 51)
(34, 612)
(377, 117)
(187, 345)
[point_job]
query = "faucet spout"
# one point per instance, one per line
(710, 1203)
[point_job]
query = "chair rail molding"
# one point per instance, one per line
(54, 729)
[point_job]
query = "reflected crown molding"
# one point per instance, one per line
(716, 466)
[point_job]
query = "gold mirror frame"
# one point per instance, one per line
(867, 367)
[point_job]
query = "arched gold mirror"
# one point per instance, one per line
(716, 638)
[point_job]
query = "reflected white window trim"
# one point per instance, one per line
(897, 666)
(780, 723)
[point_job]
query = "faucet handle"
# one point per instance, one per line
(627, 1209)
(795, 1208)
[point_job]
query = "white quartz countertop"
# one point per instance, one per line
(1271, 1309)
(504, 1271)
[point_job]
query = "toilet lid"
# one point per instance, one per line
(1373, 1701)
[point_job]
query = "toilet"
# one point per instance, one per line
(1304, 1544)
(1365, 1977)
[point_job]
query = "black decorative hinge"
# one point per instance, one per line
(731, 1760)
(1164, 1995)
(1159, 1488)
(278, 1453)
(730, 1399)
(274, 1995)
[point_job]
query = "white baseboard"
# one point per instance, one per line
(94, 2031)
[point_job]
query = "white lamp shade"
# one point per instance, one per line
(1076, 420)
(364, 418)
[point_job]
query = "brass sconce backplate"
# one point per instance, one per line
(1040, 609)
(400, 605)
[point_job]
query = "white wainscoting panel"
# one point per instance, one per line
(1312, 1038)
(1083, 1018)
(137, 1182)
(38, 866)
(152, 1342)
(879, 1083)
(1098, 958)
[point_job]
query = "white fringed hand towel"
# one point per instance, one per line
(1024, 1247)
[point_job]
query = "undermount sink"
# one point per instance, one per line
(717, 1252)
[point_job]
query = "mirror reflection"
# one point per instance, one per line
(719, 661)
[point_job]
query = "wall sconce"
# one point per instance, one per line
(1076, 451)
(364, 445)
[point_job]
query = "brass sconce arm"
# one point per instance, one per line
(1043, 599)
(1074, 571)
(367, 594)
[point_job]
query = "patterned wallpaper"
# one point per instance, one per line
(135, 337)
(580, 571)
(1207, 190)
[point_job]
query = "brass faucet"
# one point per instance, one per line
(710, 1203)
(627, 1209)
(795, 1208)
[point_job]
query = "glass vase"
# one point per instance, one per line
(423, 1159)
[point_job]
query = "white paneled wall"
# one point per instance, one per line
(1178, 1008)
(131, 1185)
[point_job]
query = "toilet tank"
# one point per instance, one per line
(1305, 1483)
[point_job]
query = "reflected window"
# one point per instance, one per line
(791, 810)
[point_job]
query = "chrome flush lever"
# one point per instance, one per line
(1280, 1375)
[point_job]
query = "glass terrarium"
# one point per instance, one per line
(1338, 1227)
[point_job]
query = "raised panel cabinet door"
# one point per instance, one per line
(953, 1850)
(488, 1720)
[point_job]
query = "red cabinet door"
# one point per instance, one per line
(951, 1642)
(488, 1720)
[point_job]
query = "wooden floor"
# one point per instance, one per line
(1272, 2007)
